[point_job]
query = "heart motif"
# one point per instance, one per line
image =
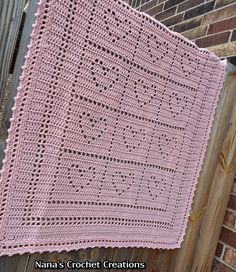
(189, 64)
(89, 127)
(177, 104)
(122, 181)
(123, 27)
(132, 138)
(156, 187)
(166, 145)
(156, 49)
(104, 77)
(83, 175)
(144, 93)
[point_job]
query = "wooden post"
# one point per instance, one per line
(218, 199)
(25, 39)
(10, 18)
(30, 18)
(182, 259)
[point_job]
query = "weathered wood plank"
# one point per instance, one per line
(159, 260)
(22, 263)
(16, 263)
(25, 39)
(151, 260)
(182, 258)
(125, 254)
(5, 119)
(10, 18)
(30, 264)
(3, 131)
(64, 257)
(218, 199)
(141, 256)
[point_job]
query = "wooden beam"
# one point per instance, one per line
(218, 199)
(16, 263)
(182, 258)
(5, 119)
(25, 39)
(10, 18)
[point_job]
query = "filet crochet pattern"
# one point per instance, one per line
(109, 131)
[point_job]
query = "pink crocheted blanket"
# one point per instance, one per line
(109, 131)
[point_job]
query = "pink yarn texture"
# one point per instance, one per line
(109, 131)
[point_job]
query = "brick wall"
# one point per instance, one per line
(136, 3)
(210, 24)
(225, 260)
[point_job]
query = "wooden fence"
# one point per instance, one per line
(197, 251)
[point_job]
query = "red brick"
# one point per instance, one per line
(222, 25)
(155, 10)
(189, 4)
(173, 20)
(228, 237)
(221, 3)
(230, 219)
(165, 14)
(232, 202)
(213, 39)
(135, 3)
(219, 250)
(220, 267)
(148, 5)
(219, 14)
(205, 8)
(230, 257)
(195, 33)
(188, 25)
(171, 3)
(224, 50)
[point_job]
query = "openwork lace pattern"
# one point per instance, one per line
(109, 131)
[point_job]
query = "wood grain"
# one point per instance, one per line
(16, 263)
(10, 18)
(219, 196)
(182, 259)
(20, 59)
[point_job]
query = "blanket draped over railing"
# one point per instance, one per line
(109, 131)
